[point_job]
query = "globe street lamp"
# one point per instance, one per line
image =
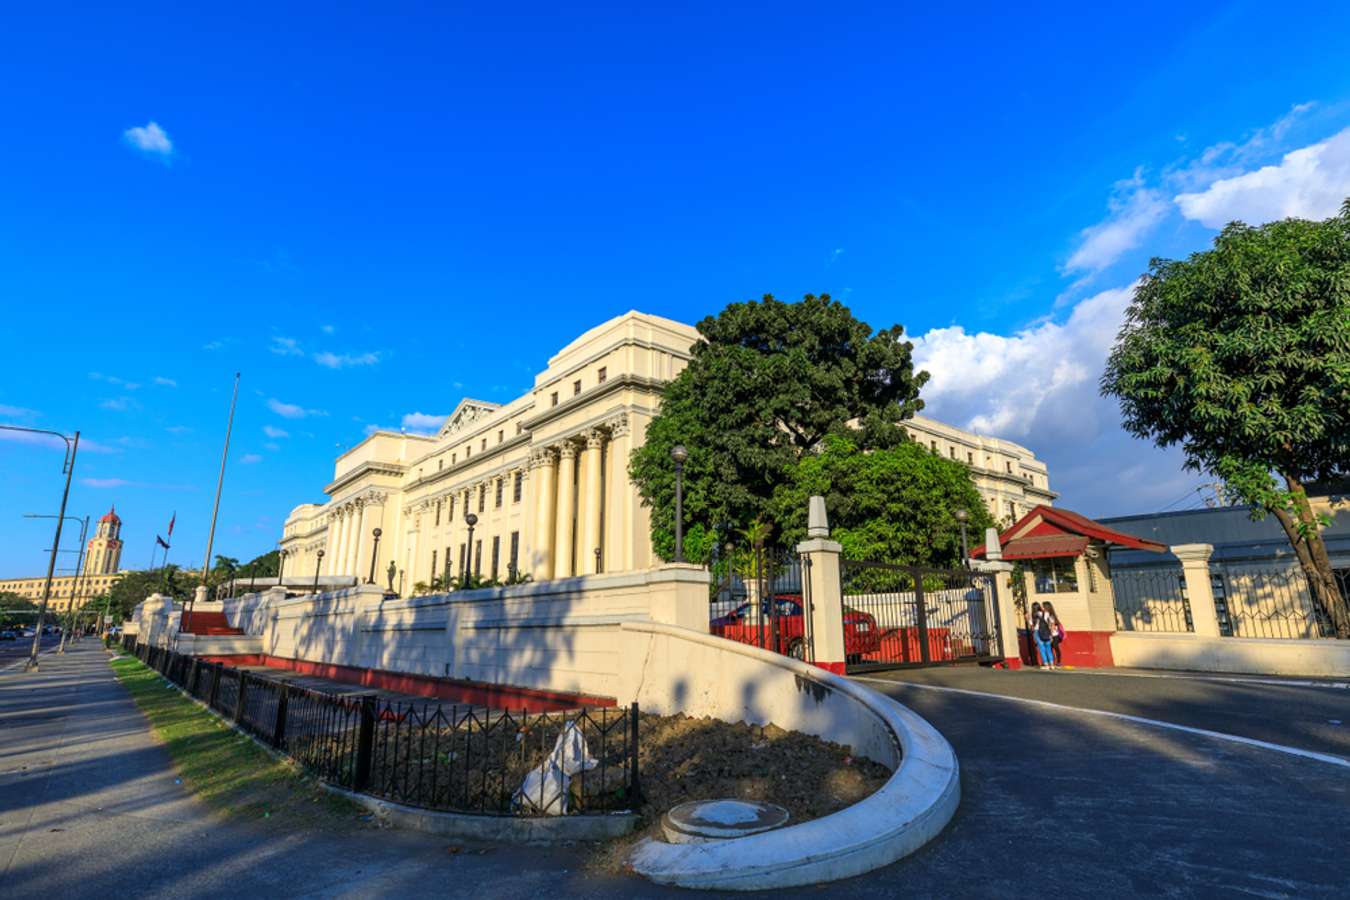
(374, 555)
(470, 520)
(679, 455)
(318, 563)
(961, 516)
(281, 566)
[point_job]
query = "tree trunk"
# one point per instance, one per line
(1303, 533)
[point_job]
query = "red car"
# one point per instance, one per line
(742, 624)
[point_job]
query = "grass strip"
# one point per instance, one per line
(227, 770)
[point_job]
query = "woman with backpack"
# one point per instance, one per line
(1057, 632)
(1043, 632)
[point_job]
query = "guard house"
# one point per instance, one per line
(1063, 559)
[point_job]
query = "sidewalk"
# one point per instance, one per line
(89, 805)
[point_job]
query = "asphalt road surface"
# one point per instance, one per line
(13, 651)
(1061, 802)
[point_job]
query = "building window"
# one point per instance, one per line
(478, 557)
(576, 387)
(462, 561)
(520, 427)
(484, 447)
(453, 458)
(496, 553)
(450, 516)
(601, 375)
(1055, 576)
(440, 464)
(497, 499)
(555, 398)
(970, 459)
(952, 451)
(468, 451)
(501, 436)
(1012, 510)
(932, 446)
(516, 488)
(437, 523)
(1009, 465)
(482, 497)
(433, 565)
(515, 554)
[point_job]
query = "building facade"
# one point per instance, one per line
(546, 475)
(1008, 476)
(103, 556)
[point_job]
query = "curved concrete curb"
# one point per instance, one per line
(910, 809)
(502, 829)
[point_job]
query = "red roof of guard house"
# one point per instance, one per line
(1047, 532)
(110, 515)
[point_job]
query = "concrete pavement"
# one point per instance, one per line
(1054, 802)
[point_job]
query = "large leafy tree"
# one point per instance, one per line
(1241, 355)
(767, 382)
(133, 587)
(894, 505)
(16, 610)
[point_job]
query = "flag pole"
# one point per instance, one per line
(215, 510)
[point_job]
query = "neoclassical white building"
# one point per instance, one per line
(546, 474)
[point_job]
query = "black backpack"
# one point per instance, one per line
(1043, 627)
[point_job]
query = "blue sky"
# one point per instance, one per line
(373, 214)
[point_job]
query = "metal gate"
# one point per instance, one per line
(897, 616)
(761, 596)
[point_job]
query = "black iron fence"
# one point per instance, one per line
(912, 616)
(1268, 601)
(432, 755)
(761, 596)
(1151, 600)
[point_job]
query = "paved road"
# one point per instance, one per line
(18, 650)
(1056, 802)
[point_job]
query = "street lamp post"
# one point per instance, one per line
(281, 566)
(679, 455)
(374, 555)
(961, 516)
(470, 520)
(72, 447)
(80, 578)
(318, 563)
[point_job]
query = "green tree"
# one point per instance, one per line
(264, 566)
(894, 505)
(766, 383)
(1241, 355)
(15, 610)
(133, 587)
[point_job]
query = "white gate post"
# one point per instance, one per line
(1199, 591)
(826, 593)
(1001, 573)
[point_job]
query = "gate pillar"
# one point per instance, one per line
(820, 572)
(1005, 610)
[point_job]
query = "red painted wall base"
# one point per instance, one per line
(455, 690)
(837, 668)
(1086, 649)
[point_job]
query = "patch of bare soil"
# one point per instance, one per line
(682, 758)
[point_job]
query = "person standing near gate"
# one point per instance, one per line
(1041, 632)
(1056, 634)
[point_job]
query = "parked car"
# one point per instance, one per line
(745, 625)
(7, 634)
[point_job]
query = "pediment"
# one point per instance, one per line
(467, 413)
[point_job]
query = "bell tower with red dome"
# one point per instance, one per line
(105, 547)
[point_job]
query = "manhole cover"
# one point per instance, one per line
(717, 820)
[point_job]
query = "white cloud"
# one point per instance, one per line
(105, 482)
(249, 459)
(284, 346)
(1310, 183)
(343, 360)
(422, 422)
(119, 404)
(17, 412)
(1039, 387)
(371, 429)
(149, 138)
(273, 431)
(272, 447)
(178, 429)
(165, 382)
(327, 329)
(213, 345)
(1135, 210)
(113, 379)
(291, 410)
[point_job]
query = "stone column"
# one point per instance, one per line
(543, 486)
(588, 519)
(361, 541)
(618, 499)
(562, 533)
(826, 592)
(1199, 591)
(1008, 621)
(331, 537)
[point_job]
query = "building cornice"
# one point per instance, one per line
(617, 383)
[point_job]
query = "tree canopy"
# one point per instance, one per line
(1241, 356)
(767, 382)
(16, 610)
(893, 505)
(133, 587)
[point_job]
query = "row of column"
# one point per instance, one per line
(581, 505)
(350, 535)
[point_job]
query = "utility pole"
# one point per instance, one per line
(72, 447)
(215, 510)
(78, 581)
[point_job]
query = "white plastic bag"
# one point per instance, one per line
(544, 791)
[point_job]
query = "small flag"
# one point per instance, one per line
(173, 519)
(159, 540)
